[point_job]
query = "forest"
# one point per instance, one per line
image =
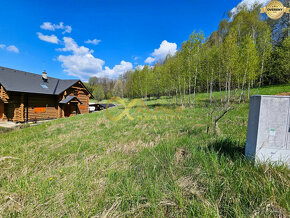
(248, 50)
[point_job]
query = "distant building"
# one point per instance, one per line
(31, 97)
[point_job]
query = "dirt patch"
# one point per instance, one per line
(11, 204)
(180, 155)
(4, 130)
(189, 186)
(284, 94)
(270, 209)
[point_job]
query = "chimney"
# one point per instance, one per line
(44, 76)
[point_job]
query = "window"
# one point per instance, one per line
(44, 86)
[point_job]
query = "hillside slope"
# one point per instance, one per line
(154, 165)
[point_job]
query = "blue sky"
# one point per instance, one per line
(51, 35)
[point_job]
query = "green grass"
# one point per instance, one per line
(2, 130)
(90, 166)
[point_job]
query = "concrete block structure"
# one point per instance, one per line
(268, 136)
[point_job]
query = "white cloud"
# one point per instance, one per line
(47, 26)
(159, 55)
(47, 38)
(71, 45)
(82, 64)
(149, 60)
(94, 41)
(117, 70)
(53, 27)
(11, 48)
(248, 4)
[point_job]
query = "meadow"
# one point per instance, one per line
(154, 165)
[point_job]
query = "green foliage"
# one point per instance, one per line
(109, 95)
(238, 55)
(93, 81)
(98, 92)
(89, 87)
(278, 65)
(233, 57)
(118, 89)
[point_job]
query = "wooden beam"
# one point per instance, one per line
(22, 108)
(79, 88)
(1, 92)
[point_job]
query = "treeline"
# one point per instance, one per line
(245, 52)
(104, 88)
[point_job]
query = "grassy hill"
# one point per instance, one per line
(150, 166)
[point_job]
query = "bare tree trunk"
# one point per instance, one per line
(179, 87)
(176, 93)
(219, 117)
(262, 69)
(140, 87)
(244, 79)
(189, 91)
(169, 97)
(229, 86)
(195, 83)
(211, 85)
(249, 87)
(226, 88)
(207, 87)
(184, 90)
(220, 88)
(146, 88)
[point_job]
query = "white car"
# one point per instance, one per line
(92, 108)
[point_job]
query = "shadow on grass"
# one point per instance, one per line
(193, 131)
(228, 147)
(4, 130)
(153, 106)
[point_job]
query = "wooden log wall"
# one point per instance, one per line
(42, 107)
(3, 94)
(39, 107)
(4, 99)
(12, 108)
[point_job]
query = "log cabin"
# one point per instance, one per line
(31, 97)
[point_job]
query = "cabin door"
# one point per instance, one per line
(70, 109)
(67, 110)
(1, 109)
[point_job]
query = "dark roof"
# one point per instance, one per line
(68, 99)
(101, 105)
(107, 105)
(20, 81)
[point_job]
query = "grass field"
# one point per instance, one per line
(89, 166)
